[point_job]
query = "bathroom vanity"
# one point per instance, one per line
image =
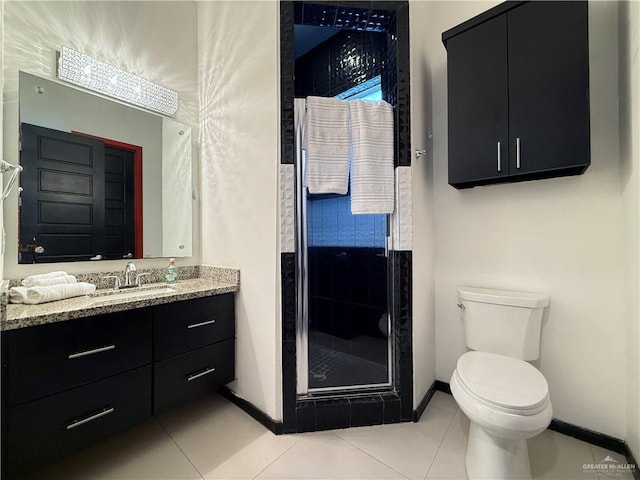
(78, 370)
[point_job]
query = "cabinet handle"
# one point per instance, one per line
(91, 352)
(518, 152)
(81, 421)
(499, 159)
(206, 371)
(201, 324)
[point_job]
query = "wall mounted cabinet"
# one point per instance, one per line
(518, 93)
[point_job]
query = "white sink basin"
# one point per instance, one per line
(131, 295)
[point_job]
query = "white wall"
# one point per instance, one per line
(156, 40)
(239, 80)
(424, 341)
(629, 104)
(562, 236)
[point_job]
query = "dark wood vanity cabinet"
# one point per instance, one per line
(68, 384)
(518, 93)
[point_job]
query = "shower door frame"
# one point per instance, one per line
(302, 282)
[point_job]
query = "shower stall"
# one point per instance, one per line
(347, 352)
(343, 328)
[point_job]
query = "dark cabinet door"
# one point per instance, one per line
(49, 428)
(183, 377)
(47, 359)
(478, 103)
(183, 326)
(548, 87)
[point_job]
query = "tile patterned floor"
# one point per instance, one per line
(213, 439)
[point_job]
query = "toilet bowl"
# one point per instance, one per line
(505, 398)
(507, 402)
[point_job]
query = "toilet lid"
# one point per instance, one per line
(505, 382)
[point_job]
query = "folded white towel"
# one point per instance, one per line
(372, 179)
(28, 281)
(328, 145)
(17, 294)
(45, 282)
(52, 293)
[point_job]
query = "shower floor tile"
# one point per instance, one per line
(331, 368)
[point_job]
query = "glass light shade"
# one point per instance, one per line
(88, 72)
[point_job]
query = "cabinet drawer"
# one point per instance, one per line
(183, 326)
(51, 358)
(52, 427)
(185, 376)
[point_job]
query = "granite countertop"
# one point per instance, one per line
(19, 315)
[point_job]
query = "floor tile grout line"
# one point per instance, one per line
(277, 458)
(453, 417)
(179, 448)
(370, 455)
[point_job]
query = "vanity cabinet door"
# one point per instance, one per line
(184, 326)
(47, 429)
(47, 359)
(178, 379)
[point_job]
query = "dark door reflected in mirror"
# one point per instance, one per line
(82, 198)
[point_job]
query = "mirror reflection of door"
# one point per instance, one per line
(82, 198)
(118, 203)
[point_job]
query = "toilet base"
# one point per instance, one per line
(491, 457)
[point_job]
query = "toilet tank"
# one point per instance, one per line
(502, 321)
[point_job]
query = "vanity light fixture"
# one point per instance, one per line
(88, 72)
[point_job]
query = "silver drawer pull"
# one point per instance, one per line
(201, 324)
(207, 371)
(91, 352)
(81, 421)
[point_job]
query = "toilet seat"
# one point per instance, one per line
(503, 383)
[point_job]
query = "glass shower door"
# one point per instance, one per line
(343, 327)
(348, 320)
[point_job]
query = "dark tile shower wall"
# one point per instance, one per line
(391, 17)
(345, 60)
(329, 69)
(347, 282)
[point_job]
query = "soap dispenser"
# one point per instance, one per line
(171, 272)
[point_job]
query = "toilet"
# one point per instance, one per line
(505, 398)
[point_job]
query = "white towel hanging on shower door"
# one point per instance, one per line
(372, 175)
(328, 145)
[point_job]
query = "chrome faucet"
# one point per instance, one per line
(129, 270)
(129, 282)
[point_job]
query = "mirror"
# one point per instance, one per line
(101, 180)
